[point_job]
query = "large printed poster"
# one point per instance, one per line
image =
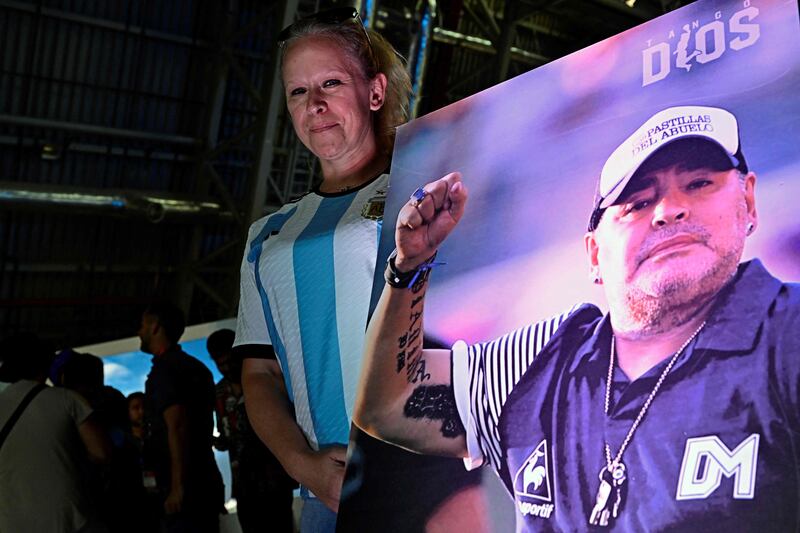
(530, 151)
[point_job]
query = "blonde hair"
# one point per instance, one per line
(372, 56)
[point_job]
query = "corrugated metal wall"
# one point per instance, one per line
(141, 100)
(139, 138)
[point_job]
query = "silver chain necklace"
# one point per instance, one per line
(613, 474)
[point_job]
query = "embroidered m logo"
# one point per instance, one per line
(707, 459)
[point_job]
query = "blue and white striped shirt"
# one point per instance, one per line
(306, 281)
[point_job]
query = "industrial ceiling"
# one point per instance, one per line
(139, 139)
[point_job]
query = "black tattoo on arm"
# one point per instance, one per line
(409, 348)
(416, 366)
(421, 282)
(414, 319)
(436, 402)
(402, 342)
(414, 335)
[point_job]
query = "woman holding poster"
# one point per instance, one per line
(308, 268)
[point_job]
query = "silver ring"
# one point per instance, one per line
(417, 197)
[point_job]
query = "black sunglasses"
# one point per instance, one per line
(334, 16)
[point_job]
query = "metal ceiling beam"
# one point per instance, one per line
(641, 10)
(267, 125)
(91, 129)
(490, 15)
(523, 20)
(96, 149)
(132, 29)
(480, 44)
(507, 32)
(93, 301)
(208, 171)
(223, 64)
(153, 206)
(487, 23)
(94, 268)
(419, 52)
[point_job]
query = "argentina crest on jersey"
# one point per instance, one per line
(533, 484)
(373, 207)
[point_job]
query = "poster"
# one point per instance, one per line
(530, 151)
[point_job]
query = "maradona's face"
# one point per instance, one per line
(675, 235)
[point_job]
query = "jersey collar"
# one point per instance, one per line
(741, 307)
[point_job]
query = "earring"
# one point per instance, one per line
(750, 228)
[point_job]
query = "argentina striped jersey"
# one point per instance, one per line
(306, 281)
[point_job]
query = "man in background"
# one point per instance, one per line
(179, 402)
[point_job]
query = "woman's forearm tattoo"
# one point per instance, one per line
(436, 402)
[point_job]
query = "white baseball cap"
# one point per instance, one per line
(712, 124)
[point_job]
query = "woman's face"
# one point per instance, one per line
(136, 411)
(329, 99)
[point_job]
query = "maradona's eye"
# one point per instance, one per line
(297, 91)
(699, 183)
(331, 83)
(634, 205)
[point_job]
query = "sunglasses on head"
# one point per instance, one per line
(334, 16)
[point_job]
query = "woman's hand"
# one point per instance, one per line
(424, 224)
(323, 474)
(174, 502)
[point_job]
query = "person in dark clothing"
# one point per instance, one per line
(119, 491)
(83, 373)
(148, 507)
(47, 452)
(179, 405)
(262, 488)
(136, 415)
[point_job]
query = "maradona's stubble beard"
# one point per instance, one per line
(658, 304)
(675, 302)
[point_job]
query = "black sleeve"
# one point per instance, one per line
(164, 388)
(254, 351)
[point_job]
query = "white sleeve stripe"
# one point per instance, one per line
(494, 369)
(485, 426)
(476, 384)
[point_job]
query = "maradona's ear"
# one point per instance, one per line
(750, 199)
(591, 252)
(377, 91)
